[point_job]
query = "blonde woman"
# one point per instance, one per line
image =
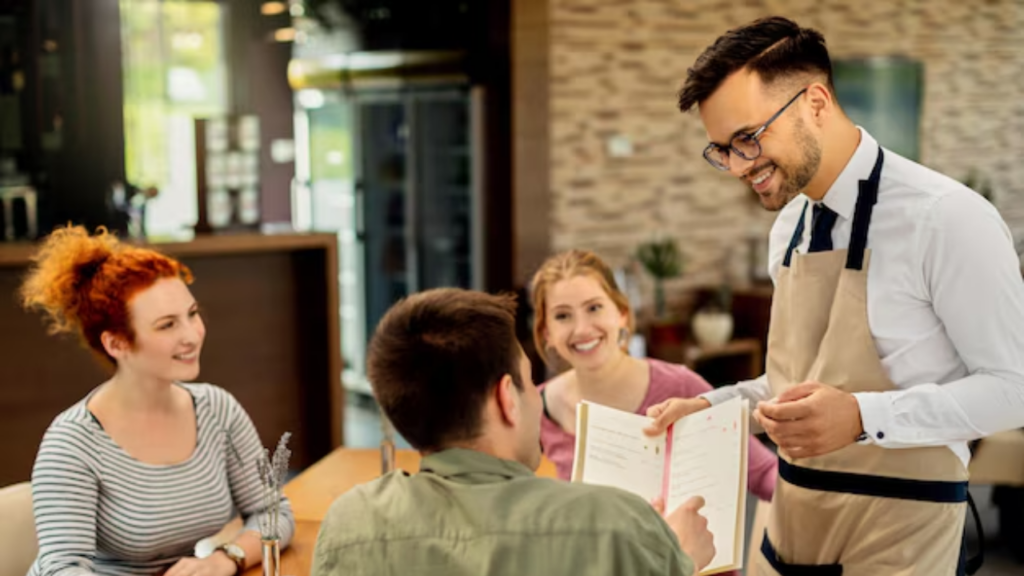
(583, 317)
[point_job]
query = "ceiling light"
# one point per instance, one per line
(273, 8)
(284, 35)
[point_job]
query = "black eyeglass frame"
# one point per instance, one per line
(746, 137)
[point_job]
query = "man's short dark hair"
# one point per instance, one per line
(436, 356)
(772, 47)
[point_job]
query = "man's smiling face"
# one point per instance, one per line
(790, 152)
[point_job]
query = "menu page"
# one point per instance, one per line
(612, 450)
(708, 458)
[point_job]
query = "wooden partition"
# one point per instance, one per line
(271, 309)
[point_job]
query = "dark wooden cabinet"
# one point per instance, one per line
(740, 359)
(71, 132)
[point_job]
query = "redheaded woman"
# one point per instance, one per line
(129, 478)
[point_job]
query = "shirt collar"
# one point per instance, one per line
(842, 196)
(476, 466)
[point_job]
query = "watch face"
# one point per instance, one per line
(235, 552)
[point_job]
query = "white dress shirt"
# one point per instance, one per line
(945, 305)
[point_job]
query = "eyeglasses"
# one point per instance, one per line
(744, 145)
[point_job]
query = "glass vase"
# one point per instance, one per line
(272, 557)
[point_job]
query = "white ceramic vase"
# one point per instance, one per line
(712, 328)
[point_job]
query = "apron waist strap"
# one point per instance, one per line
(878, 486)
(786, 569)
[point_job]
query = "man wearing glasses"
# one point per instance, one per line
(897, 320)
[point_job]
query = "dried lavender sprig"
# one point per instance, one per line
(272, 472)
(261, 471)
(282, 466)
(269, 491)
(280, 469)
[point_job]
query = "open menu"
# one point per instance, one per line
(703, 454)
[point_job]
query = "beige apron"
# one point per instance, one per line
(862, 510)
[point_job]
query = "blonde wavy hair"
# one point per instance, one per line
(566, 265)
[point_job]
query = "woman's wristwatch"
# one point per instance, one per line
(236, 554)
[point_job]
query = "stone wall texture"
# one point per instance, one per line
(615, 67)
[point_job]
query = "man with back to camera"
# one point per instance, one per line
(450, 375)
(897, 318)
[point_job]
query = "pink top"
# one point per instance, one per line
(667, 381)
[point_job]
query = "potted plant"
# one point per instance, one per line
(663, 261)
(978, 182)
(713, 324)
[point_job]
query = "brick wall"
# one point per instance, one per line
(614, 67)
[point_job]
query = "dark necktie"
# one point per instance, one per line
(823, 219)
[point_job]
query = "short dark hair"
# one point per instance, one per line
(436, 356)
(771, 47)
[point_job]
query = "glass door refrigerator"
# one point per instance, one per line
(391, 165)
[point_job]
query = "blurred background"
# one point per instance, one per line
(315, 160)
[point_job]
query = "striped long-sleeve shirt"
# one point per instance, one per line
(100, 511)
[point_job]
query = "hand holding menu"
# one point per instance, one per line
(703, 454)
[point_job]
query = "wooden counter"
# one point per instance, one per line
(271, 308)
(19, 253)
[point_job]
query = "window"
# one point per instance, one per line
(174, 71)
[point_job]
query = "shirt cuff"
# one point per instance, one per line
(719, 395)
(874, 417)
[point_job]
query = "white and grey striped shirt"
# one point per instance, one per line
(100, 511)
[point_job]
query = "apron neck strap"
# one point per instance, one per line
(867, 196)
(866, 199)
(798, 235)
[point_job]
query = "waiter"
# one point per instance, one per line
(897, 324)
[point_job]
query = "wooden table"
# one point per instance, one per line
(312, 492)
(736, 360)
